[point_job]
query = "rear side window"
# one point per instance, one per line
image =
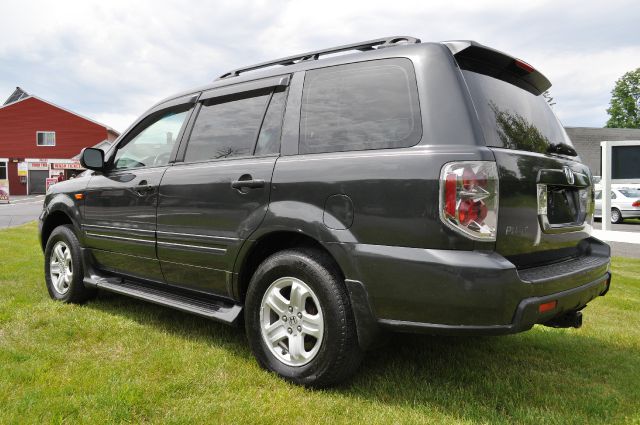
(367, 105)
(226, 129)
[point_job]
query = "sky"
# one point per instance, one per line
(111, 60)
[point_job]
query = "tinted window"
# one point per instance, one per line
(153, 145)
(369, 105)
(226, 129)
(269, 139)
(513, 118)
(624, 162)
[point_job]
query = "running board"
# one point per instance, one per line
(222, 311)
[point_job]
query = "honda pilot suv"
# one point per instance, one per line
(322, 200)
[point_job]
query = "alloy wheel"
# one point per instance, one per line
(291, 321)
(615, 216)
(61, 267)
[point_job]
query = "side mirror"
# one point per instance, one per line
(92, 159)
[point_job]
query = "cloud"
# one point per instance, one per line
(112, 60)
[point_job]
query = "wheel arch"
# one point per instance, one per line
(61, 211)
(254, 252)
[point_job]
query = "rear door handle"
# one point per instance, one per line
(247, 184)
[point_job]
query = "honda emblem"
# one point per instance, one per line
(569, 174)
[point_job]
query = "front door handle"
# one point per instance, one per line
(247, 184)
(143, 188)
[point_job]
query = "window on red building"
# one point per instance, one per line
(46, 138)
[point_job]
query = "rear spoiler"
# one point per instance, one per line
(475, 57)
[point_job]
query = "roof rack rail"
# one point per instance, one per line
(362, 46)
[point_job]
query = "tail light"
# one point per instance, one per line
(523, 65)
(469, 198)
(636, 203)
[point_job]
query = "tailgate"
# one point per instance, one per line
(546, 196)
(545, 208)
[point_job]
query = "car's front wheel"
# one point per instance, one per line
(63, 267)
(299, 320)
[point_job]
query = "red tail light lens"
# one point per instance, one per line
(636, 203)
(467, 212)
(450, 198)
(469, 198)
(523, 65)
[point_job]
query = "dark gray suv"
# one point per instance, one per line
(402, 186)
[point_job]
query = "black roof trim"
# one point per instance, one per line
(378, 43)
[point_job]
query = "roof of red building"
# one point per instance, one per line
(20, 95)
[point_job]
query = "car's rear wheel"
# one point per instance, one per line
(63, 267)
(299, 320)
(616, 216)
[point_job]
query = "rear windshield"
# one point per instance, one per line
(513, 118)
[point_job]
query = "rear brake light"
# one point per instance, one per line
(636, 203)
(469, 198)
(523, 65)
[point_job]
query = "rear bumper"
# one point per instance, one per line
(525, 317)
(468, 292)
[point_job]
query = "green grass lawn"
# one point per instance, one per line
(121, 360)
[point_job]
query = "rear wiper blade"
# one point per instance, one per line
(562, 149)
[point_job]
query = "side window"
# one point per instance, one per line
(226, 129)
(269, 139)
(367, 105)
(153, 145)
(613, 195)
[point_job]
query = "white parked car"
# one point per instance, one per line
(597, 184)
(625, 203)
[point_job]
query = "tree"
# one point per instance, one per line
(624, 109)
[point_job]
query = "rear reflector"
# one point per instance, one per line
(543, 308)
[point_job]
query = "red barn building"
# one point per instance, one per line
(38, 140)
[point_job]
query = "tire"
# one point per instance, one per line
(616, 216)
(308, 275)
(66, 282)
